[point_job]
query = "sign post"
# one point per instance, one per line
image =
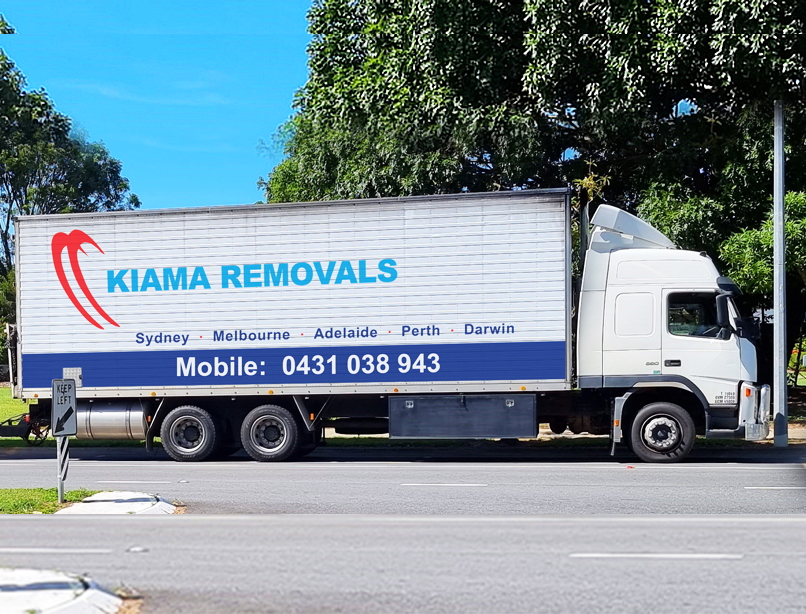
(781, 353)
(63, 422)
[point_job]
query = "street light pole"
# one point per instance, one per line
(780, 357)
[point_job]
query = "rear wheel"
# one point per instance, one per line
(308, 442)
(188, 433)
(558, 426)
(37, 435)
(662, 433)
(269, 433)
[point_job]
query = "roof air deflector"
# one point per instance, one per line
(611, 218)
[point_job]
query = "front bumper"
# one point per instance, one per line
(754, 411)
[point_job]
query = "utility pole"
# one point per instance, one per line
(780, 357)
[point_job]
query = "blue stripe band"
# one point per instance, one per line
(543, 360)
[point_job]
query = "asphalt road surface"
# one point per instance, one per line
(465, 480)
(356, 563)
(475, 528)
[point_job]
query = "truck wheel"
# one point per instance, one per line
(269, 433)
(558, 426)
(308, 442)
(189, 434)
(662, 433)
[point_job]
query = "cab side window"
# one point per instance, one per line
(693, 314)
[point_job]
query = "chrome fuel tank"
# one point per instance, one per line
(124, 419)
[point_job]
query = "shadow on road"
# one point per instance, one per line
(582, 450)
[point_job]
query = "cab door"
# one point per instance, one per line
(693, 349)
(631, 338)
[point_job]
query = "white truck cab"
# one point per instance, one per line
(660, 324)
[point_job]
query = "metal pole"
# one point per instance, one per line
(63, 462)
(780, 356)
(584, 233)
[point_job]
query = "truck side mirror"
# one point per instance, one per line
(723, 317)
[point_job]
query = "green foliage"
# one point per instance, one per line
(690, 220)
(5, 27)
(614, 74)
(749, 253)
(8, 302)
(43, 167)
(623, 61)
(413, 97)
(432, 96)
(10, 407)
(39, 500)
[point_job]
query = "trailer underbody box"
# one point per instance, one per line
(463, 416)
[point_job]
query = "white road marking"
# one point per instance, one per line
(372, 462)
(655, 555)
(443, 484)
(129, 482)
(54, 551)
(775, 487)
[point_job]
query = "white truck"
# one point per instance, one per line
(449, 316)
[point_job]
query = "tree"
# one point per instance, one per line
(413, 97)
(43, 167)
(749, 256)
(615, 73)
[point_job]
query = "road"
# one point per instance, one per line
(458, 529)
(483, 480)
(357, 563)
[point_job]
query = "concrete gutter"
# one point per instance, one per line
(51, 592)
(121, 502)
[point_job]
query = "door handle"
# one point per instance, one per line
(671, 363)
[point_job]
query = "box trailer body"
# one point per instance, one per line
(442, 316)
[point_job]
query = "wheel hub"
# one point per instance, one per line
(269, 433)
(661, 433)
(272, 433)
(187, 433)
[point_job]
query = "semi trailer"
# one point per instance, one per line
(450, 316)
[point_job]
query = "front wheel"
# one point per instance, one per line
(188, 433)
(662, 433)
(269, 433)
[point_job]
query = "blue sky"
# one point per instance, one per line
(180, 91)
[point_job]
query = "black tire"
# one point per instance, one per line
(304, 450)
(36, 435)
(188, 433)
(270, 433)
(308, 442)
(558, 427)
(662, 433)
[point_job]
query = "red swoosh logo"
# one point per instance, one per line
(73, 243)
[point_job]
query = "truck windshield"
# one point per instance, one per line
(693, 314)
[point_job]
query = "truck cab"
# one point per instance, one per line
(658, 325)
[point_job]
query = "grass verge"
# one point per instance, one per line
(41, 500)
(10, 407)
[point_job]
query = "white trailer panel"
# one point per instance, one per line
(442, 293)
